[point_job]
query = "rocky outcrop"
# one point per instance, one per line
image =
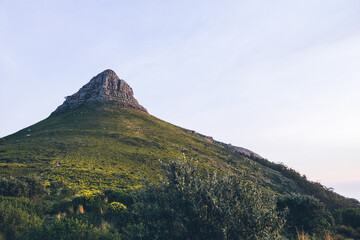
(241, 150)
(106, 87)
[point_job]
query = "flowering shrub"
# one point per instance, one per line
(117, 207)
(90, 195)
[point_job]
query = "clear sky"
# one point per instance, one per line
(281, 78)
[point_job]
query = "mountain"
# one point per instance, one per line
(102, 138)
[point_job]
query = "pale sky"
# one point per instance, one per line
(281, 78)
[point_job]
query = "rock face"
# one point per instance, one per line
(241, 150)
(106, 87)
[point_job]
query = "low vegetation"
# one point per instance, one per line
(189, 202)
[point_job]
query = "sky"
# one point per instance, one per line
(281, 78)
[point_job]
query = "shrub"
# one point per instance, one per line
(348, 232)
(306, 214)
(68, 229)
(187, 205)
(118, 214)
(124, 197)
(14, 219)
(92, 201)
(117, 207)
(20, 187)
(351, 217)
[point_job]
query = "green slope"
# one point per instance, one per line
(107, 147)
(103, 146)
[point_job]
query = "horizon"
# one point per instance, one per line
(279, 79)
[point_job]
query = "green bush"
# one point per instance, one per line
(15, 218)
(92, 201)
(306, 214)
(118, 214)
(331, 199)
(351, 217)
(124, 197)
(20, 187)
(62, 206)
(187, 205)
(116, 207)
(348, 232)
(26, 204)
(69, 229)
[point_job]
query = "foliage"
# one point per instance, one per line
(92, 201)
(306, 214)
(348, 232)
(189, 202)
(20, 187)
(68, 229)
(332, 199)
(25, 204)
(17, 216)
(351, 217)
(62, 206)
(186, 205)
(124, 197)
(116, 207)
(118, 214)
(348, 221)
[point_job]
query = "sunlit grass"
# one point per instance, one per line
(107, 147)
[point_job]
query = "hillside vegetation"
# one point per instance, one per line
(106, 147)
(86, 166)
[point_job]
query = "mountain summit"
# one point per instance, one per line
(105, 87)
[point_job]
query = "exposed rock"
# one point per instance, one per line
(105, 87)
(241, 150)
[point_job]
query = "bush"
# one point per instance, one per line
(118, 214)
(348, 232)
(187, 205)
(351, 217)
(68, 229)
(20, 187)
(124, 197)
(92, 201)
(306, 214)
(116, 207)
(15, 218)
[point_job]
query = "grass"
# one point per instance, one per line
(106, 147)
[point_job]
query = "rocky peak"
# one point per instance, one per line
(105, 87)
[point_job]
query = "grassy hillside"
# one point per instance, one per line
(106, 147)
(103, 146)
(111, 151)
